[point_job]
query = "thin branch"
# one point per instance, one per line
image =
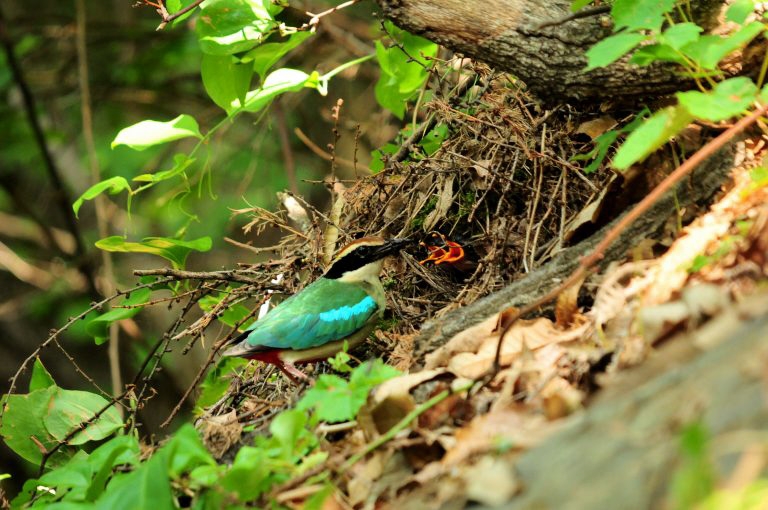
(227, 276)
(100, 202)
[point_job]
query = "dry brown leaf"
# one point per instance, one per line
(391, 401)
(566, 307)
(596, 127)
(444, 203)
(474, 356)
(480, 174)
(492, 481)
(490, 431)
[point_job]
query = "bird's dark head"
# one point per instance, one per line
(364, 255)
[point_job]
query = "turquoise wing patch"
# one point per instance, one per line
(284, 328)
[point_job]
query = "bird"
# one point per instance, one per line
(343, 305)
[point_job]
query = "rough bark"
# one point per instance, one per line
(550, 60)
(624, 450)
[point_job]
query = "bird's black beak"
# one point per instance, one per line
(392, 246)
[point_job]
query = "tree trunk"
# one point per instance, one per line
(510, 35)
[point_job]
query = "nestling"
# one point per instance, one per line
(342, 305)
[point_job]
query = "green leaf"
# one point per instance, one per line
(147, 486)
(23, 419)
(225, 80)
(611, 49)
(180, 163)
(577, 5)
(652, 53)
(640, 14)
(98, 327)
(278, 82)
(119, 450)
(739, 10)
(216, 381)
(404, 68)
(232, 315)
(266, 55)
(249, 475)
(185, 451)
(41, 378)
(680, 34)
(709, 50)
(173, 250)
(432, 141)
(336, 400)
(377, 156)
(225, 27)
(287, 428)
(652, 134)
(112, 185)
(148, 133)
(694, 479)
(728, 99)
(70, 408)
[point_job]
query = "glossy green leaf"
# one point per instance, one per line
(266, 55)
(98, 327)
(225, 27)
(148, 133)
(708, 50)
(173, 250)
(41, 378)
(728, 99)
(652, 134)
(612, 48)
(278, 82)
(71, 408)
(112, 185)
(225, 80)
(640, 14)
(180, 164)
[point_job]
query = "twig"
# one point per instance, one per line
(285, 146)
(597, 254)
(320, 152)
(167, 17)
(226, 276)
(100, 202)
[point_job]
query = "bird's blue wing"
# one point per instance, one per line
(325, 311)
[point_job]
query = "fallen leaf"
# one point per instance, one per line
(444, 203)
(596, 127)
(491, 481)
